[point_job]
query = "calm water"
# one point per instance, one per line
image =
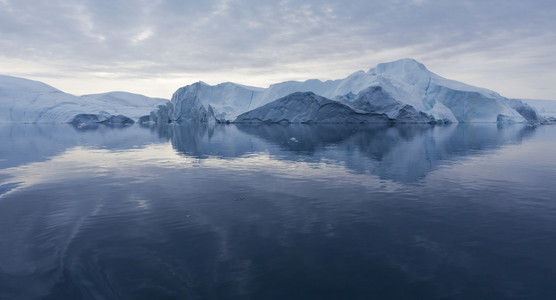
(278, 212)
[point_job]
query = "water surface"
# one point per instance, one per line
(277, 212)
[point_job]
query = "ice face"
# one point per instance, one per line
(306, 107)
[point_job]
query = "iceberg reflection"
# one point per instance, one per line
(403, 153)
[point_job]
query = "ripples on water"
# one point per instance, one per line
(279, 212)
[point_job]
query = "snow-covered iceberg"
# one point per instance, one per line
(28, 101)
(306, 107)
(409, 82)
(404, 89)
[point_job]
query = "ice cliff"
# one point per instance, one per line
(404, 90)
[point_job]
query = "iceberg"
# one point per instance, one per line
(206, 103)
(85, 119)
(133, 106)
(376, 99)
(546, 109)
(119, 119)
(28, 101)
(307, 107)
(404, 90)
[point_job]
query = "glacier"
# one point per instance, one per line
(28, 101)
(404, 90)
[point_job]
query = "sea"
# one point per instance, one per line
(299, 211)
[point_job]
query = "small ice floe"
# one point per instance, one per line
(293, 140)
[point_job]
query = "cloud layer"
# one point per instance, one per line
(154, 47)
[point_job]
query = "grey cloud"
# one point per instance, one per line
(142, 38)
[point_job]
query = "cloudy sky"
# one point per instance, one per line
(153, 47)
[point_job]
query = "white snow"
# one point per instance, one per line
(28, 101)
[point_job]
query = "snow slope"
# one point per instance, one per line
(403, 83)
(28, 101)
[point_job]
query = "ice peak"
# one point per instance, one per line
(401, 66)
(407, 70)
